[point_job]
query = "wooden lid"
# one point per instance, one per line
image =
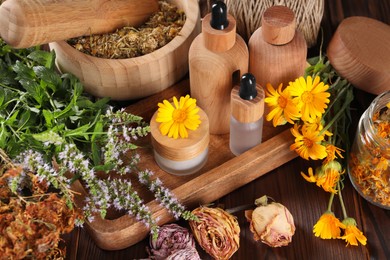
(278, 25)
(181, 149)
(219, 40)
(247, 111)
(360, 52)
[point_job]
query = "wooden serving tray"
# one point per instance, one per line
(222, 174)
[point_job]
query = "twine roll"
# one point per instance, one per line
(248, 15)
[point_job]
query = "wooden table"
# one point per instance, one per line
(305, 200)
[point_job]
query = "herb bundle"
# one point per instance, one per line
(50, 128)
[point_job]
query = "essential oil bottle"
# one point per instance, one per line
(247, 110)
(218, 57)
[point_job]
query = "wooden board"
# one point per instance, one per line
(222, 174)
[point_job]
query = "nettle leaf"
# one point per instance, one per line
(44, 58)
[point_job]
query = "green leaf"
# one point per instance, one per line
(95, 153)
(34, 89)
(10, 121)
(78, 132)
(105, 167)
(49, 76)
(49, 136)
(43, 58)
(24, 119)
(97, 130)
(23, 71)
(2, 96)
(49, 118)
(3, 136)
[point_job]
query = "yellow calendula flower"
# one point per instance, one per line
(311, 96)
(352, 234)
(308, 143)
(176, 118)
(325, 176)
(329, 175)
(282, 106)
(328, 226)
(332, 152)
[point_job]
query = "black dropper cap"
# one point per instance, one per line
(248, 87)
(219, 19)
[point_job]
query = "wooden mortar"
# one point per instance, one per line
(125, 79)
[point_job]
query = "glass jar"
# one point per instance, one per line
(368, 165)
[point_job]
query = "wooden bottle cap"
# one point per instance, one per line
(247, 111)
(219, 40)
(181, 149)
(278, 25)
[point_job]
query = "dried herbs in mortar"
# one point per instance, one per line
(129, 42)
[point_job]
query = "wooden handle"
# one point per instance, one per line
(26, 23)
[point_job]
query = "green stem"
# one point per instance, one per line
(330, 202)
(342, 201)
(336, 117)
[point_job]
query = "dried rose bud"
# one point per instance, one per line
(188, 253)
(271, 223)
(171, 238)
(217, 232)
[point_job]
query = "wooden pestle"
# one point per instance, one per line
(26, 23)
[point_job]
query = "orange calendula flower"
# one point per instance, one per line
(328, 226)
(177, 118)
(332, 152)
(352, 234)
(311, 96)
(282, 107)
(308, 143)
(325, 176)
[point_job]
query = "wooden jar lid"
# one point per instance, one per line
(181, 149)
(360, 52)
(247, 111)
(278, 25)
(219, 40)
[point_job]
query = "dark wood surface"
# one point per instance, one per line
(305, 201)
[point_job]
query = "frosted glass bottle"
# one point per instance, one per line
(247, 109)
